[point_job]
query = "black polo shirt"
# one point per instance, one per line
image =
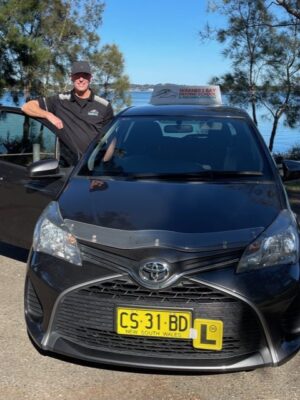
(83, 119)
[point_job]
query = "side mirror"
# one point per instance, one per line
(48, 168)
(291, 170)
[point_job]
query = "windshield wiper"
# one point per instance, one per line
(232, 173)
(208, 174)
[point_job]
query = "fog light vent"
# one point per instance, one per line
(33, 305)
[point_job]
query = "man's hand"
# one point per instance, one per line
(54, 120)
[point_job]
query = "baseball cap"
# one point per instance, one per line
(81, 66)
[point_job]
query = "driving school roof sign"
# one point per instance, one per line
(177, 94)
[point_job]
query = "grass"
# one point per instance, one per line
(293, 186)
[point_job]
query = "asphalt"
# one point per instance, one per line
(27, 374)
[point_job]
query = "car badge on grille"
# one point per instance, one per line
(153, 272)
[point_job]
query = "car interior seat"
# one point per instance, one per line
(219, 143)
(144, 139)
(243, 155)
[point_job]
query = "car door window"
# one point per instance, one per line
(24, 140)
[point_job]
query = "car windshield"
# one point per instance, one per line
(166, 147)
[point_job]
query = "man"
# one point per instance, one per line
(79, 114)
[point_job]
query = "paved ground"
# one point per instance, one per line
(26, 374)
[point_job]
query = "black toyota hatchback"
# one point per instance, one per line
(170, 245)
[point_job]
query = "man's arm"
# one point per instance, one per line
(33, 109)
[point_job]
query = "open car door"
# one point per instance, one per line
(24, 140)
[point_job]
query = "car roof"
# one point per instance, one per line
(184, 110)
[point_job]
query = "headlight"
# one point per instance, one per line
(277, 245)
(52, 237)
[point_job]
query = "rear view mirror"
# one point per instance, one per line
(47, 168)
(291, 170)
(178, 128)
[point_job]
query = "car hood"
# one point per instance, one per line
(139, 213)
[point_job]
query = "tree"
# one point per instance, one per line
(39, 39)
(264, 59)
(291, 6)
(247, 38)
(278, 93)
(109, 75)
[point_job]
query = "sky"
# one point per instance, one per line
(160, 42)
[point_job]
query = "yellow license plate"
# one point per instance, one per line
(207, 334)
(155, 323)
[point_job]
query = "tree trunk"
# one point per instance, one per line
(105, 85)
(27, 85)
(273, 133)
(26, 125)
(26, 93)
(253, 105)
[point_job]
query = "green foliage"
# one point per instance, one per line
(39, 39)
(292, 154)
(109, 75)
(265, 60)
(236, 86)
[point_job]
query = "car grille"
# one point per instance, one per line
(130, 259)
(86, 316)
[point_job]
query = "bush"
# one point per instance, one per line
(292, 154)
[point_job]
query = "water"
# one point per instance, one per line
(285, 138)
(140, 98)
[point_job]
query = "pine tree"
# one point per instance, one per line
(265, 60)
(39, 40)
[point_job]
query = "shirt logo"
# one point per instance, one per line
(93, 112)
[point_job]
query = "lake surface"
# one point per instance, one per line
(284, 140)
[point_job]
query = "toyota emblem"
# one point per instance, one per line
(154, 271)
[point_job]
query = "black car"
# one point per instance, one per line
(170, 245)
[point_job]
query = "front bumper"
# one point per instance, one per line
(70, 311)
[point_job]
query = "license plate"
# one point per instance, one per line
(155, 323)
(207, 334)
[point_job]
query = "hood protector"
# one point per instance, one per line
(192, 242)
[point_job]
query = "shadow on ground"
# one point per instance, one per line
(17, 253)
